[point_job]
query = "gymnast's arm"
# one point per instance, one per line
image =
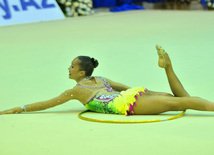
(116, 85)
(62, 98)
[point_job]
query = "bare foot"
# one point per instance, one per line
(164, 60)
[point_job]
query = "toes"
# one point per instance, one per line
(159, 48)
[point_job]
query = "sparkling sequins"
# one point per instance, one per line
(103, 97)
(106, 85)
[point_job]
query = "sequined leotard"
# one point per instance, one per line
(117, 103)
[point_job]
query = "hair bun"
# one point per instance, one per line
(94, 62)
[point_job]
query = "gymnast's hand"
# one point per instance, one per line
(11, 111)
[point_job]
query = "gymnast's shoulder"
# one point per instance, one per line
(117, 85)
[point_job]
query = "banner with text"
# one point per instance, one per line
(27, 11)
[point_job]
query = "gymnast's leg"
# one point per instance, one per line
(155, 103)
(149, 105)
(175, 85)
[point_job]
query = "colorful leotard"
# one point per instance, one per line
(118, 103)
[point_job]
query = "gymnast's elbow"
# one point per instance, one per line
(62, 98)
(43, 105)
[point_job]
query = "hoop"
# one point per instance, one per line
(116, 121)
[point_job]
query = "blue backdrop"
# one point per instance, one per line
(114, 3)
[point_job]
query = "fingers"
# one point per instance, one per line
(7, 112)
(2, 112)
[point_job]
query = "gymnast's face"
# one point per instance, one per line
(74, 72)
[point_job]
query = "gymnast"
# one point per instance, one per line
(100, 94)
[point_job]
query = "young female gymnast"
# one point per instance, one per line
(103, 95)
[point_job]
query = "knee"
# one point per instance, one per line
(170, 95)
(166, 94)
(178, 104)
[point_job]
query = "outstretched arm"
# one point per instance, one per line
(117, 86)
(62, 98)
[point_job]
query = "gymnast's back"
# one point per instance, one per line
(87, 88)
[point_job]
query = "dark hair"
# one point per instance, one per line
(87, 64)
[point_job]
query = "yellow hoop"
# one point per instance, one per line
(116, 121)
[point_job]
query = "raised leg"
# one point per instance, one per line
(175, 84)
